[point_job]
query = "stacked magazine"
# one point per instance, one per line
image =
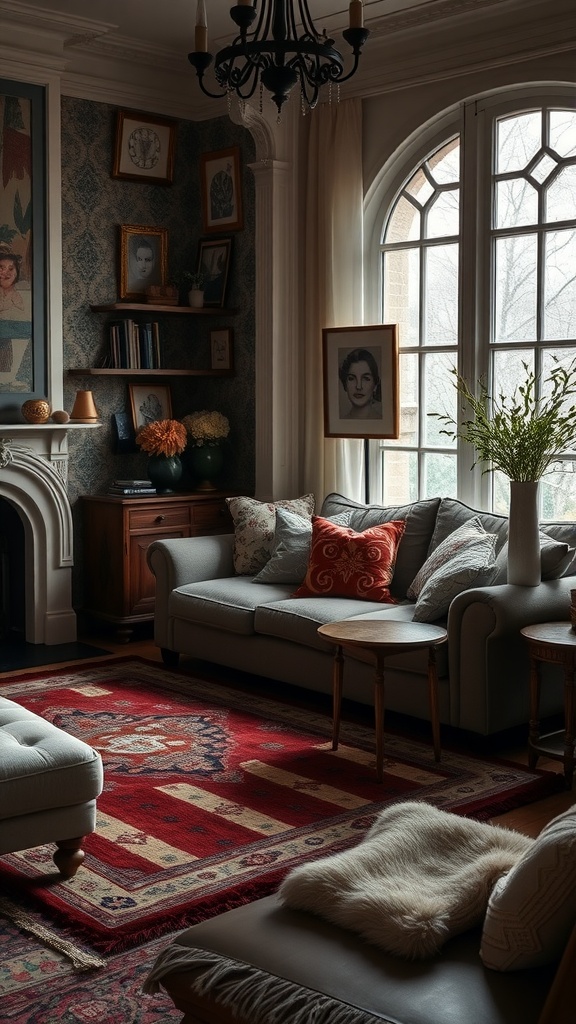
(131, 488)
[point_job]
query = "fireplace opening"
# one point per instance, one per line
(12, 575)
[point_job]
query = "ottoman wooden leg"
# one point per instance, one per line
(379, 716)
(337, 696)
(69, 856)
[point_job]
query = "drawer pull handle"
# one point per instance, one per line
(160, 519)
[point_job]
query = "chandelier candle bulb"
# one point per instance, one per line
(201, 29)
(356, 12)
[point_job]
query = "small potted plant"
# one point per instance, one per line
(194, 283)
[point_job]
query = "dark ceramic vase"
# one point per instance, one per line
(205, 461)
(164, 471)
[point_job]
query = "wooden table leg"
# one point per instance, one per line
(569, 725)
(534, 725)
(337, 674)
(379, 715)
(433, 696)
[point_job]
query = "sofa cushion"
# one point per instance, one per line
(532, 909)
(254, 527)
(465, 536)
(228, 604)
(290, 553)
(453, 513)
(420, 518)
(472, 565)
(555, 558)
(344, 563)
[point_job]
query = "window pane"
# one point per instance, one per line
(400, 475)
(516, 203)
(444, 164)
(409, 428)
(563, 132)
(402, 293)
(516, 289)
(420, 187)
(439, 475)
(560, 196)
(518, 139)
(441, 284)
(509, 369)
(444, 215)
(560, 285)
(404, 224)
(558, 492)
(440, 396)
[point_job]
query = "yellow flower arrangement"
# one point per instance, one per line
(206, 427)
(162, 437)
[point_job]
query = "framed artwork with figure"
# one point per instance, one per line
(221, 355)
(213, 264)
(360, 369)
(221, 190)
(149, 402)
(143, 255)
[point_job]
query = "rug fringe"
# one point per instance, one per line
(80, 960)
(253, 994)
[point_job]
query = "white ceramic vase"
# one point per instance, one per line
(524, 534)
(196, 298)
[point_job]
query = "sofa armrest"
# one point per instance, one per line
(184, 560)
(485, 647)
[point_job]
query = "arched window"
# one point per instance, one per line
(477, 265)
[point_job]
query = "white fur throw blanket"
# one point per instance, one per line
(420, 876)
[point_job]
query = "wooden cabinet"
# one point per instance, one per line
(119, 587)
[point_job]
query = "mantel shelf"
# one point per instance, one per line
(149, 307)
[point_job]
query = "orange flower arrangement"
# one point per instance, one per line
(162, 437)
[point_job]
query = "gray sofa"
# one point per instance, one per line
(207, 611)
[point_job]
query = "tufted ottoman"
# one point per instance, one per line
(49, 782)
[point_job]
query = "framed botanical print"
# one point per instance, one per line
(143, 258)
(23, 360)
(144, 148)
(221, 190)
(361, 381)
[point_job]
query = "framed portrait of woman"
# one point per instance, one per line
(143, 255)
(360, 369)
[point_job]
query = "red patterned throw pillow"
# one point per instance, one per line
(344, 563)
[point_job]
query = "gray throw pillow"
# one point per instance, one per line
(288, 562)
(555, 558)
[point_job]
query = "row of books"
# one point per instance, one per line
(134, 346)
(131, 488)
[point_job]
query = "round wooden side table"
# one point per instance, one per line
(383, 639)
(554, 643)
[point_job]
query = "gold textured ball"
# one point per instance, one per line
(61, 416)
(36, 410)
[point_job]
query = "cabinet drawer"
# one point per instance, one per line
(211, 515)
(158, 518)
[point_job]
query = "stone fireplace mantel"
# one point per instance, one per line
(33, 474)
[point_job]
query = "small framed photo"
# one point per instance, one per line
(221, 190)
(213, 264)
(361, 381)
(221, 353)
(149, 402)
(144, 148)
(143, 259)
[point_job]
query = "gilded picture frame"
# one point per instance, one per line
(143, 260)
(360, 375)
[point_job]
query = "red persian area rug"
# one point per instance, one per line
(212, 794)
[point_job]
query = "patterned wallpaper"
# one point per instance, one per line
(94, 205)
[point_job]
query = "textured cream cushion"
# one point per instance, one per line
(420, 876)
(470, 566)
(255, 526)
(465, 535)
(532, 909)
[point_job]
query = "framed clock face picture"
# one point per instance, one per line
(144, 149)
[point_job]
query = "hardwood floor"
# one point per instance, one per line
(529, 820)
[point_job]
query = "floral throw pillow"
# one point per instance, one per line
(254, 528)
(344, 563)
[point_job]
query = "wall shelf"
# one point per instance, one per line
(149, 307)
(97, 371)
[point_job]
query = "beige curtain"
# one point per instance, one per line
(334, 285)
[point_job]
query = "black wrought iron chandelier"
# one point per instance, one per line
(273, 54)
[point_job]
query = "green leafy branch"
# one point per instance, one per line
(519, 435)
